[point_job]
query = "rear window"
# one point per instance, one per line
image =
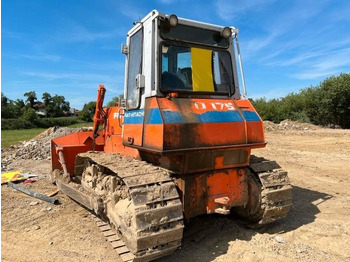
(186, 68)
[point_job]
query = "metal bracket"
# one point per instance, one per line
(225, 202)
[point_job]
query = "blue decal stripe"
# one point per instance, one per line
(175, 117)
(153, 116)
(251, 116)
(220, 117)
(134, 117)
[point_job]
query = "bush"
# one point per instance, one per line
(88, 111)
(30, 115)
(59, 121)
(10, 124)
(327, 104)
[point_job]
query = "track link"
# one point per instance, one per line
(113, 238)
(276, 190)
(138, 205)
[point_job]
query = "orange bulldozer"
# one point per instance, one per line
(177, 146)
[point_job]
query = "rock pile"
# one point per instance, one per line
(38, 148)
(288, 125)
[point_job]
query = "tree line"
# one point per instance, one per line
(23, 114)
(55, 106)
(18, 114)
(327, 104)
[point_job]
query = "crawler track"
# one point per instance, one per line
(138, 204)
(113, 238)
(276, 190)
(139, 207)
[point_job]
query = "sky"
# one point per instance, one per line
(68, 47)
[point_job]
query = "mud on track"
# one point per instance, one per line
(318, 227)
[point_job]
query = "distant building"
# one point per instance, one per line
(40, 109)
(74, 112)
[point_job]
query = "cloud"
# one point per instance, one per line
(8, 34)
(131, 12)
(229, 10)
(273, 92)
(167, 2)
(278, 32)
(299, 59)
(327, 65)
(298, 38)
(82, 77)
(314, 59)
(254, 45)
(41, 58)
(341, 13)
(78, 33)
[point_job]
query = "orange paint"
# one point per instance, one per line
(205, 142)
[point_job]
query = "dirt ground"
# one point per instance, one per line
(317, 228)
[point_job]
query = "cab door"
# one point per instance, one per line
(133, 117)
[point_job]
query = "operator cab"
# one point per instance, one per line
(167, 54)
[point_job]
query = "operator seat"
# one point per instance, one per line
(171, 81)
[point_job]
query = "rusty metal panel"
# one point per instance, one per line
(232, 157)
(198, 161)
(212, 192)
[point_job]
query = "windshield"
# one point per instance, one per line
(196, 69)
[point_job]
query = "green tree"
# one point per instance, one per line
(31, 97)
(88, 111)
(311, 96)
(4, 100)
(30, 115)
(334, 95)
(115, 101)
(56, 105)
(293, 107)
(269, 110)
(327, 104)
(59, 106)
(6, 107)
(18, 108)
(47, 99)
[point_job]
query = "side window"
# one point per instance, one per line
(222, 71)
(134, 68)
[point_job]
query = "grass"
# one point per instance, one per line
(12, 137)
(84, 124)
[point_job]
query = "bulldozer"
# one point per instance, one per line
(178, 145)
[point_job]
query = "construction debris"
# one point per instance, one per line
(53, 193)
(36, 149)
(34, 203)
(33, 193)
(289, 125)
(280, 239)
(29, 181)
(12, 176)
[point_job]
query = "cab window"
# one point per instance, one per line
(186, 68)
(134, 68)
